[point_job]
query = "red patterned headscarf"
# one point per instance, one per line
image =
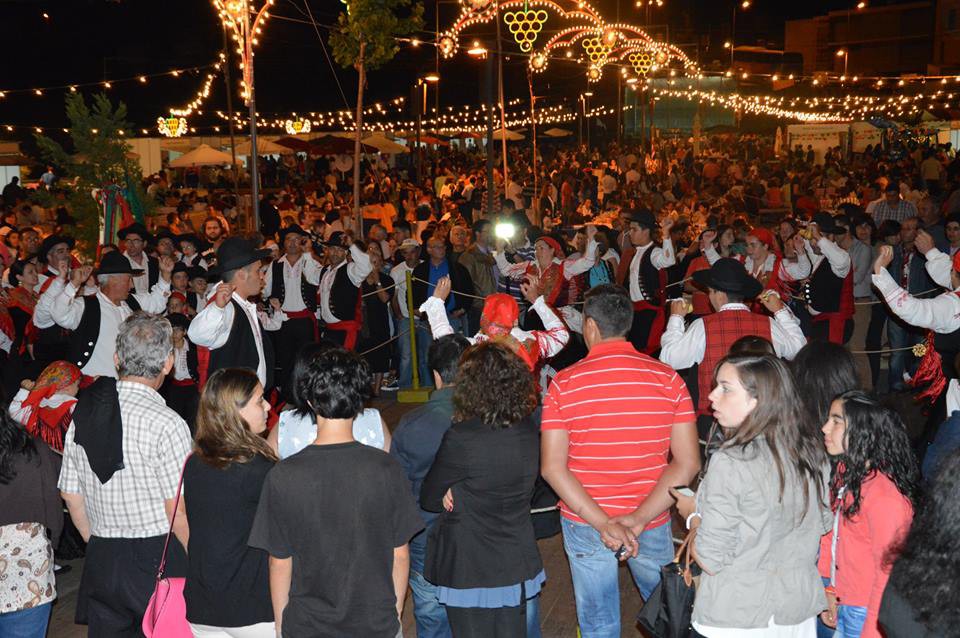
(56, 377)
(500, 314)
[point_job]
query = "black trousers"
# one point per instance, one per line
(640, 329)
(293, 334)
(118, 580)
(474, 622)
(878, 319)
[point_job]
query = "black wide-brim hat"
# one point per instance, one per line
(114, 263)
(335, 240)
(826, 223)
(52, 241)
(641, 216)
(237, 252)
(293, 228)
(137, 229)
(729, 275)
(180, 267)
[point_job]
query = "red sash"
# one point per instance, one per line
(305, 314)
(351, 328)
(182, 383)
(656, 328)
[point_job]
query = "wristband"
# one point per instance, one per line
(697, 514)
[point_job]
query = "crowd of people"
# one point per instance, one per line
(636, 344)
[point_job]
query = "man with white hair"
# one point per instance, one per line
(122, 458)
(95, 319)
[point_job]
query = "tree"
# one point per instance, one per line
(365, 38)
(101, 158)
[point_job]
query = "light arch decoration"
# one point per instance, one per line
(579, 33)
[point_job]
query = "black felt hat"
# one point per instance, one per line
(729, 275)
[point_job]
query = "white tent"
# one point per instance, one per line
(384, 144)
(203, 155)
(264, 147)
(557, 132)
(511, 136)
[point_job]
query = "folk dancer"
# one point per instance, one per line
(231, 327)
(95, 319)
(646, 270)
(338, 304)
(708, 339)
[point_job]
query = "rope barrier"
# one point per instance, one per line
(388, 341)
(876, 301)
(370, 294)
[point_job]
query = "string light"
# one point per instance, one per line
(140, 78)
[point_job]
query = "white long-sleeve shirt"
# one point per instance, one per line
(838, 260)
(939, 267)
(789, 270)
(663, 256)
(141, 283)
(572, 266)
(211, 327)
(550, 340)
(67, 310)
(940, 314)
(681, 348)
(357, 271)
(305, 266)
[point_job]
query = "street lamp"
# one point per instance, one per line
(421, 98)
(845, 54)
(585, 105)
(733, 31)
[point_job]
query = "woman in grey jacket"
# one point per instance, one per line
(761, 509)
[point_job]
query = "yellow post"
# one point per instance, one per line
(416, 394)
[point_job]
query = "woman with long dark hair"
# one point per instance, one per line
(822, 370)
(874, 487)
(761, 509)
(922, 598)
(30, 508)
(482, 552)
(227, 590)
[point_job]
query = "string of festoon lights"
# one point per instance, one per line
(203, 93)
(822, 108)
(143, 78)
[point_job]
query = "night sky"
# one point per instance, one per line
(96, 40)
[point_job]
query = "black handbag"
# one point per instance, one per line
(667, 613)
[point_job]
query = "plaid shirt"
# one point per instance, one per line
(156, 442)
(903, 210)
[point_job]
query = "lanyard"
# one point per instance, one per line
(835, 537)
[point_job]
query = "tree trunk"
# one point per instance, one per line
(357, 219)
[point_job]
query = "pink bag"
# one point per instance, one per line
(166, 615)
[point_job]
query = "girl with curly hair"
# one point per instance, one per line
(874, 487)
(922, 598)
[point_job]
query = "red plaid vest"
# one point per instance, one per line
(722, 329)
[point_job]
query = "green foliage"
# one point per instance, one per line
(100, 158)
(376, 23)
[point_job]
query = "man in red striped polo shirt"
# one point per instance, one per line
(618, 432)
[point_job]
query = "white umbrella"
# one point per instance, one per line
(511, 136)
(384, 144)
(264, 147)
(557, 132)
(203, 155)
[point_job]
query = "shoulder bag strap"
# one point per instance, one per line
(176, 506)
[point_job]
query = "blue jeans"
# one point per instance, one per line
(533, 617)
(423, 337)
(595, 574)
(430, 615)
(850, 621)
(26, 623)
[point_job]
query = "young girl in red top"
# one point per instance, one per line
(874, 487)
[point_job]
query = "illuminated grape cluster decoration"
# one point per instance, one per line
(525, 25)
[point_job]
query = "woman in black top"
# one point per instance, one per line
(482, 553)
(228, 589)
